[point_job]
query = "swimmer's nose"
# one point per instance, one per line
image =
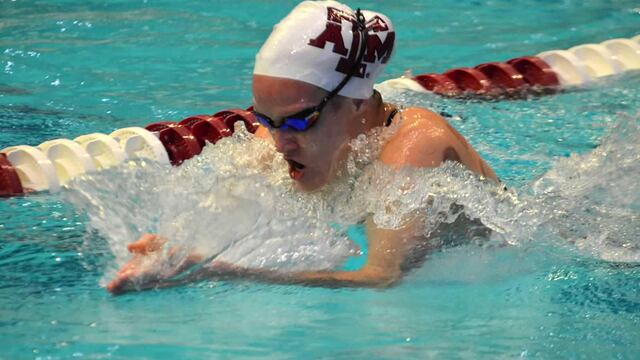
(285, 141)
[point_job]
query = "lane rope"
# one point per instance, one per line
(52, 164)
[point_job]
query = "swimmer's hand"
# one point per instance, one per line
(150, 267)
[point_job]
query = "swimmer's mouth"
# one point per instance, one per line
(296, 170)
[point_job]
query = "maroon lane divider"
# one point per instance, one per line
(10, 184)
(206, 128)
(438, 84)
(470, 80)
(177, 140)
(186, 139)
(535, 71)
(493, 78)
(502, 75)
(231, 116)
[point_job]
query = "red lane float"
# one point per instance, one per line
(177, 140)
(492, 79)
(535, 71)
(470, 80)
(206, 128)
(438, 84)
(231, 116)
(9, 181)
(503, 76)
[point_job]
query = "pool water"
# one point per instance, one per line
(566, 287)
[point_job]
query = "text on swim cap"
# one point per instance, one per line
(376, 50)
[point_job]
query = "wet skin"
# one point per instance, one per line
(315, 157)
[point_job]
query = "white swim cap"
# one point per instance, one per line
(315, 44)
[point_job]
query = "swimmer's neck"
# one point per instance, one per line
(375, 112)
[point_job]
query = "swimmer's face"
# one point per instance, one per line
(316, 155)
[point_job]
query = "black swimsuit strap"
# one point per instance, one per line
(390, 118)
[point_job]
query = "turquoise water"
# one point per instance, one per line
(70, 68)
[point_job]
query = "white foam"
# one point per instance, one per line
(237, 199)
(593, 199)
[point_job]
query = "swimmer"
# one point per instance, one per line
(313, 93)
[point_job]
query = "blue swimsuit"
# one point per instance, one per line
(358, 235)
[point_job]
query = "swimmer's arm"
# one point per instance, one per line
(366, 277)
(387, 251)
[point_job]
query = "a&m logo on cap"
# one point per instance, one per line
(376, 50)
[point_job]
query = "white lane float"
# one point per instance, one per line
(598, 60)
(570, 69)
(69, 159)
(35, 170)
(104, 150)
(140, 143)
(626, 51)
(402, 83)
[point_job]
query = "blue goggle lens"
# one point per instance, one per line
(297, 124)
(289, 123)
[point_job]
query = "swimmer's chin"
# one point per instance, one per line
(311, 182)
(307, 185)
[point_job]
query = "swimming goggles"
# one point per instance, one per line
(305, 119)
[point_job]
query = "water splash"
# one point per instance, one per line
(594, 199)
(236, 201)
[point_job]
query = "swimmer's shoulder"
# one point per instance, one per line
(425, 139)
(420, 139)
(415, 120)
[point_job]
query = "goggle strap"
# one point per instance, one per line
(361, 22)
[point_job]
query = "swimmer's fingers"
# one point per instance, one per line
(151, 271)
(137, 263)
(173, 251)
(115, 286)
(128, 267)
(146, 244)
(140, 246)
(132, 279)
(138, 274)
